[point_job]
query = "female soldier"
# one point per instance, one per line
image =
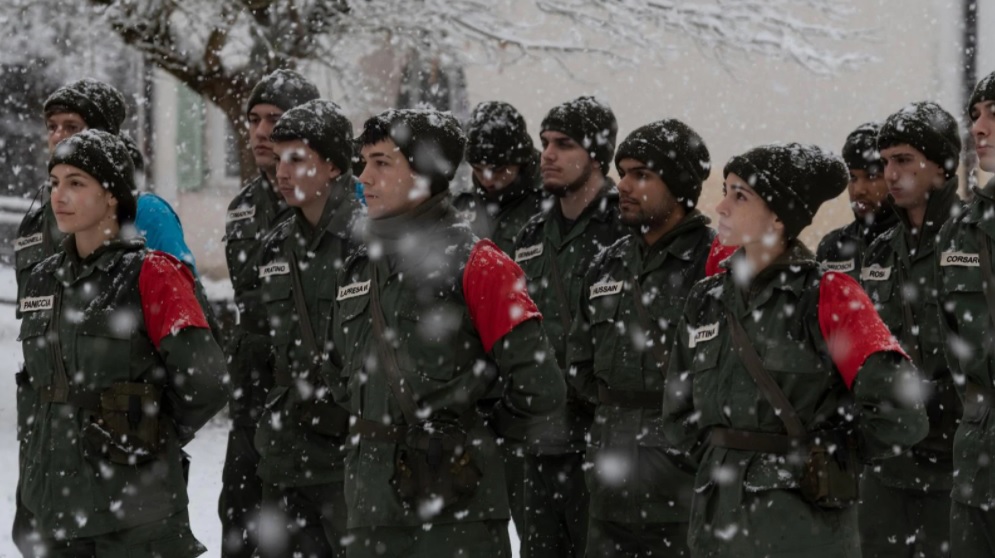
(782, 373)
(117, 354)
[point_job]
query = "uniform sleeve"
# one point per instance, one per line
(891, 414)
(195, 365)
(535, 388)
(160, 226)
(169, 303)
(850, 325)
(495, 292)
(680, 421)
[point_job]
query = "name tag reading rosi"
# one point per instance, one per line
(353, 290)
(875, 273)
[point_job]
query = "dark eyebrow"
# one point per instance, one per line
(378, 154)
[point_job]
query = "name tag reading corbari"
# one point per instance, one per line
(875, 273)
(28, 241)
(842, 266)
(606, 288)
(353, 290)
(527, 253)
(36, 303)
(280, 268)
(240, 214)
(702, 334)
(959, 259)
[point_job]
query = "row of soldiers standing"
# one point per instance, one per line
(396, 391)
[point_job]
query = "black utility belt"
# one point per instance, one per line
(765, 442)
(630, 399)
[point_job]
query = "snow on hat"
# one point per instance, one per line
(589, 122)
(323, 127)
(497, 135)
(860, 150)
(793, 179)
(984, 91)
(928, 128)
(671, 149)
(100, 105)
(431, 140)
(104, 157)
(284, 89)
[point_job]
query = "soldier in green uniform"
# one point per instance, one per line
(120, 372)
(905, 502)
(620, 342)
(843, 249)
(251, 216)
(301, 434)
(782, 374)
(427, 319)
(74, 107)
(963, 259)
(555, 250)
(506, 181)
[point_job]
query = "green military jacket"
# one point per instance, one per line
(254, 212)
(301, 434)
(94, 308)
(555, 256)
(501, 217)
(708, 386)
(421, 261)
(966, 320)
(899, 271)
(843, 249)
(38, 237)
(610, 358)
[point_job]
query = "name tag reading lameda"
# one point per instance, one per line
(353, 290)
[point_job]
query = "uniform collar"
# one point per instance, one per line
(336, 216)
(600, 209)
(938, 208)
(785, 273)
(104, 258)
(677, 243)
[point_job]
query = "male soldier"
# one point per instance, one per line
(427, 318)
(619, 346)
(843, 249)
(968, 307)
(506, 176)
(72, 108)
(905, 501)
(301, 435)
(555, 249)
(251, 215)
(506, 194)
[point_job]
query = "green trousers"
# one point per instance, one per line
(470, 539)
(972, 531)
(609, 539)
(898, 523)
(168, 538)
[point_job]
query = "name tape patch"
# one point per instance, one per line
(353, 290)
(280, 268)
(842, 266)
(36, 303)
(875, 273)
(960, 259)
(528, 253)
(702, 334)
(240, 214)
(606, 288)
(28, 241)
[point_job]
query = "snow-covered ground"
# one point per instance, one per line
(207, 450)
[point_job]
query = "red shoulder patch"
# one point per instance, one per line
(168, 301)
(495, 293)
(717, 254)
(852, 328)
